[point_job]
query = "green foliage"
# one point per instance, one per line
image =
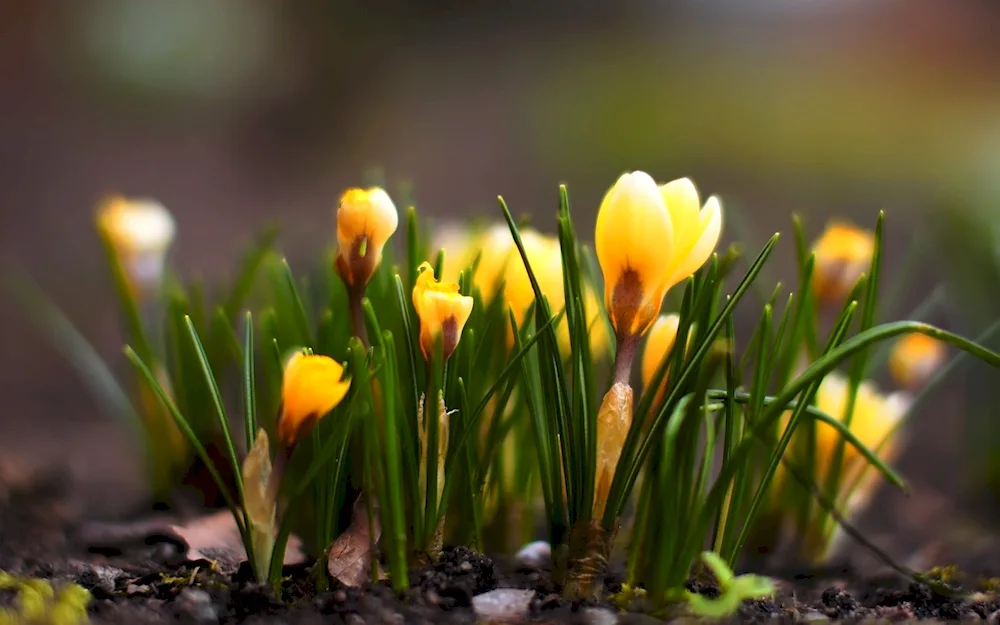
(155, 326)
(724, 437)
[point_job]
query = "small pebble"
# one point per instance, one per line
(138, 589)
(994, 617)
(340, 596)
(354, 619)
(503, 604)
(465, 566)
(98, 578)
(197, 605)
(535, 554)
(599, 616)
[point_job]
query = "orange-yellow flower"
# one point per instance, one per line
(914, 359)
(140, 231)
(366, 218)
(442, 310)
(659, 343)
(843, 254)
(649, 238)
(312, 386)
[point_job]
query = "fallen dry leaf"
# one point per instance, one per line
(350, 555)
(210, 537)
(216, 537)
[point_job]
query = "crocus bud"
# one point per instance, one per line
(365, 221)
(140, 231)
(442, 310)
(843, 254)
(312, 386)
(614, 418)
(649, 238)
(914, 359)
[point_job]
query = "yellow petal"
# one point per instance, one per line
(312, 386)
(634, 240)
(681, 199)
(700, 244)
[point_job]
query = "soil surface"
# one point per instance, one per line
(143, 576)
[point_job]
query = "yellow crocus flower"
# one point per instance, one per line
(492, 246)
(312, 386)
(659, 343)
(442, 310)
(366, 218)
(914, 359)
(141, 232)
(843, 253)
(545, 259)
(875, 423)
(500, 264)
(649, 238)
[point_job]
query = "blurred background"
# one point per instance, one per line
(234, 113)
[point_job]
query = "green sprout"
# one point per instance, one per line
(733, 590)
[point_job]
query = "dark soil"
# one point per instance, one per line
(151, 582)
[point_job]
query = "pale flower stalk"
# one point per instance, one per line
(260, 489)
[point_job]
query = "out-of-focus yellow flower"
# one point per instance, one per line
(659, 343)
(443, 312)
(649, 238)
(493, 247)
(546, 263)
(614, 418)
(843, 254)
(140, 231)
(500, 264)
(914, 359)
(366, 218)
(312, 386)
(875, 423)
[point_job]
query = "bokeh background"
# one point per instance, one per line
(239, 112)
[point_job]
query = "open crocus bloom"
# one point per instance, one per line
(442, 310)
(311, 387)
(649, 238)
